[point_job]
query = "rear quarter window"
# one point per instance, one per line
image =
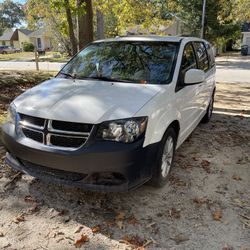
(202, 56)
(210, 54)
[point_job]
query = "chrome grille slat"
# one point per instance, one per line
(56, 138)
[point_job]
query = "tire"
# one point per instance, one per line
(4, 53)
(209, 113)
(163, 166)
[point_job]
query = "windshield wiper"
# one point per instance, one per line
(73, 76)
(107, 79)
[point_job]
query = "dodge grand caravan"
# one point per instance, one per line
(114, 115)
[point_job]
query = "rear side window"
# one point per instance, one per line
(188, 58)
(202, 55)
(210, 55)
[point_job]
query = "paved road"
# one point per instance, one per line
(46, 66)
(233, 69)
(229, 69)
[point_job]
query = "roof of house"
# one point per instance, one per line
(12, 35)
(36, 33)
(6, 36)
(26, 31)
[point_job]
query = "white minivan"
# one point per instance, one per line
(114, 115)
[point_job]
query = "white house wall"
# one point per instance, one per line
(246, 40)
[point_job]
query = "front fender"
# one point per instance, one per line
(161, 112)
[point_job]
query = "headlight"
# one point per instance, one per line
(125, 130)
(11, 114)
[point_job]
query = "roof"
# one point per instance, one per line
(36, 33)
(151, 38)
(6, 36)
(143, 38)
(25, 31)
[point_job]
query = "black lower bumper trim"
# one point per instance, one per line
(129, 165)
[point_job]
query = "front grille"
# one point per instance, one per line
(40, 122)
(71, 126)
(55, 133)
(73, 142)
(33, 134)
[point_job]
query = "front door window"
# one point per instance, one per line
(39, 43)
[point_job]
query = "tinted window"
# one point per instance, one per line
(188, 58)
(202, 56)
(138, 62)
(210, 54)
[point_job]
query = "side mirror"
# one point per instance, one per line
(194, 76)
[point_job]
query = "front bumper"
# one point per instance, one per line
(100, 166)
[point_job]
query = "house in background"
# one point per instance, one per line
(246, 35)
(15, 38)
(176, 27)
(40, 38)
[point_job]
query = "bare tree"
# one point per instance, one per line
(100, 24)
(71, 27)
(85, 24)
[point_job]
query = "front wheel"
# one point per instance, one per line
(165, 159)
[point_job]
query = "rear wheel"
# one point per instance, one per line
(165, 159)
(4, 52)
(208, 115)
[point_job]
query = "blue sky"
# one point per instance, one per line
(19, 1)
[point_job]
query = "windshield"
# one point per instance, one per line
(137, 62)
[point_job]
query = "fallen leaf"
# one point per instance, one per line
(33, 209)
(120, 216)
(79, 229)
(206, 166)
(134, 240)
(110, 223)
(63, 212)
(180, 238)
(236, 177)
(120, 224)
(54, 234)
(226, 247)
(29, 198)
(19, 218)
(151, 225)
(84, 238)
(132, 220)
(217, 215)
(200, 201)
(174, 213)
(96, 229)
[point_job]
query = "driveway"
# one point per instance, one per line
(205, 205)
(233, 69)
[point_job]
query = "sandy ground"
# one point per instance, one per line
(205, 205)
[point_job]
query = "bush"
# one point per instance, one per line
(28, 47)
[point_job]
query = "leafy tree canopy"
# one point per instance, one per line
(11, 14)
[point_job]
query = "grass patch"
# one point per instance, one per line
(30, 56)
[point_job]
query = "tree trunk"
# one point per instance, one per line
(85, 24)
(71, 28)
(100, 25)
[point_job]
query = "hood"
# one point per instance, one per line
(85, 101)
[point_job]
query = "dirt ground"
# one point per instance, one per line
(205, 205)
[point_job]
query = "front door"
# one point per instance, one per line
(188, 95)
(39, 43)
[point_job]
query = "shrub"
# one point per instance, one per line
(28, 47)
